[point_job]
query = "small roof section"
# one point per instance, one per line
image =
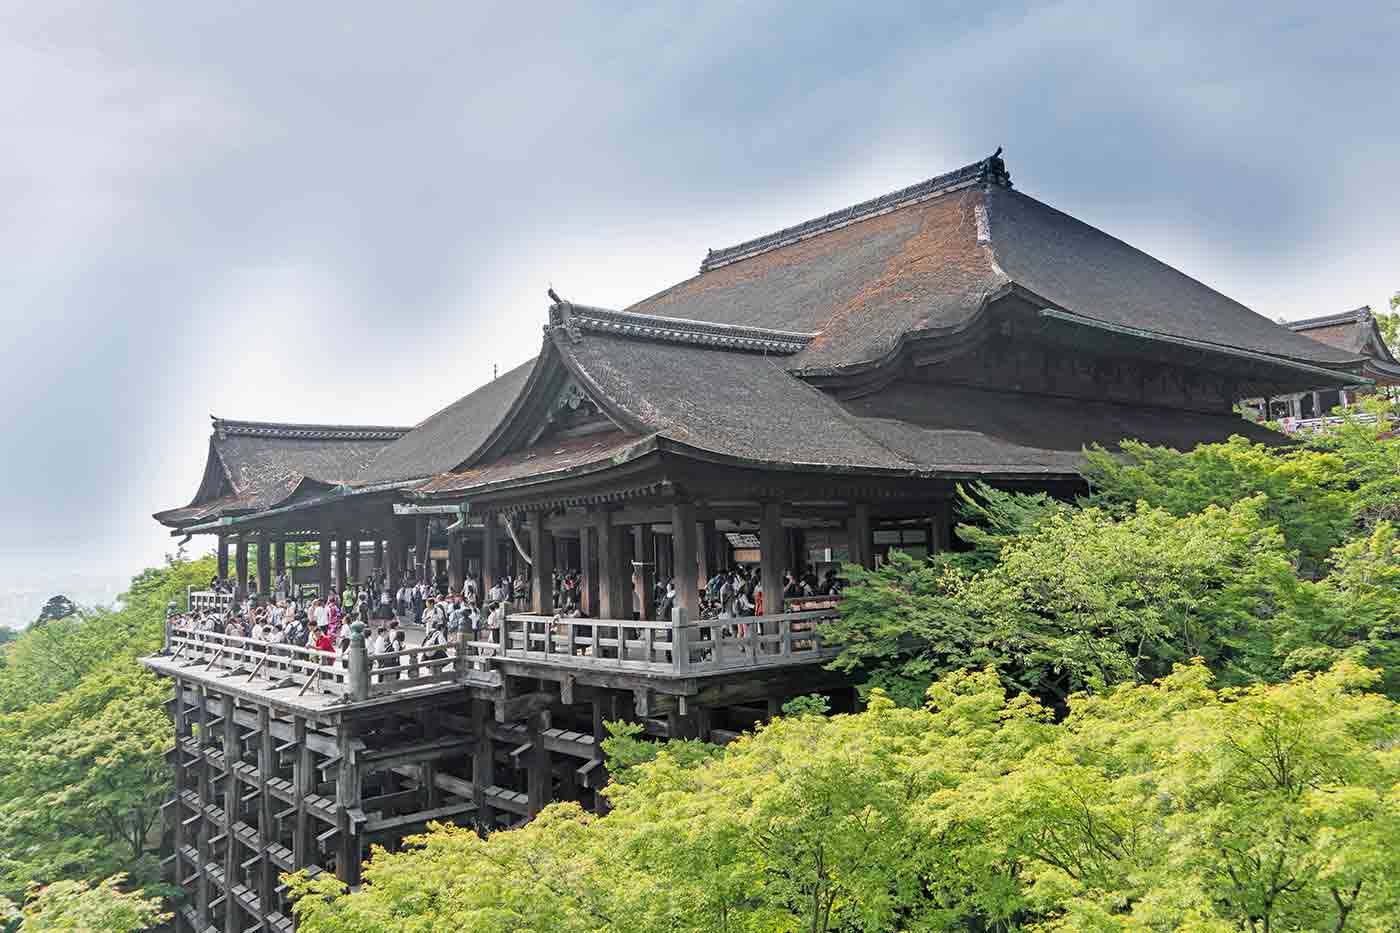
(1354, 331)
(255, 465)
(449, 437)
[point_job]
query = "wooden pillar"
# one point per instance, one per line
(378, 552)
(612, 577)
(424, 539)
(772, 556)
(941, 526)
(264, 566)
(858, 534)
(279, 556)
(646, 571)
(590, 567)
(490, 553)
(206, 797)
(222, 554)
(240, 562)
(267, 768)
(232, 756)
(323, 565)
(182, 730)
(355, 559)
(343, 565)
(483, 763)
(684, 535)
(542, 550)
(539, 776)
(303, 786)
(705, 557)
(455, 554)
(347, 795)
(600, 732)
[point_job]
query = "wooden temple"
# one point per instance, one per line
(811, 397)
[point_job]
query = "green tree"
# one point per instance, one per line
(1174, 805)
(76, 906)
(83, 739)
(1308, 490)
(57, 607)
(1086, 597)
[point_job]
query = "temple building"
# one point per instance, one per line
(1351, 331)
(811, 397)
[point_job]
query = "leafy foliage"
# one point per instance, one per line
(74, 905)
(1307, 490)
(83, 738)
(1171, 805)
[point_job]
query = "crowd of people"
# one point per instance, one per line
(321, 623)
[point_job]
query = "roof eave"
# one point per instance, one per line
(1329, 376)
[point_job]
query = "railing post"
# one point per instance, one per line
(462, 652)
(359, 662)
(680, 640)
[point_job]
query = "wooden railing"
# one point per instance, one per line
(320, 672)
(677, 647)
(207, 601)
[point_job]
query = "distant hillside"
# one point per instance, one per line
(21, 599)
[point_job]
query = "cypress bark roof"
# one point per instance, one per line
(927, 259)
(254, 465)
(450, 436)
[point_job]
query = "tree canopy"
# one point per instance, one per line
(1173, 805)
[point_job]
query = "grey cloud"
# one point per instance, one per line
(350, 211)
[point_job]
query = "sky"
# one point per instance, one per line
(350, 212)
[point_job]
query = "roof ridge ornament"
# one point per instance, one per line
(988, 171)
(575, 320)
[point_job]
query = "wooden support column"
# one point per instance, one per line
(343, 565)
(425, 571)
(395, 564)
(612, 578)
(483, 763)
(705, 557)
(279, 556)
(222, 554)
(323, 565)
(772, 557)
(347, 795)
(941, 526)
(303, 785)
(539, 776)
(456, 552)
(354, 559)
(267, 767)
(182, 729)
(490, 553)
(240, 563)
(232, 756)
(264, 566)
(600, 732)
(378, 552)
(858, 534)
(206, 796)
(589, 567)
(646, 572)
(684, 536)
(542, 550)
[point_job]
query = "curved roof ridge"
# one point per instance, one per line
(991, 170)
(1340, 317)
(575, 319)
(228, 427)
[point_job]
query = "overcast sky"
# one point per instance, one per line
(350, 212)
